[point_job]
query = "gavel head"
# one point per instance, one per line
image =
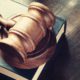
(30, 41)
(42, 12)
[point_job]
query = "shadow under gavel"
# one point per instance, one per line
(30, 41)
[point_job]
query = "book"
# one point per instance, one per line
(3, 77)
(33, 74)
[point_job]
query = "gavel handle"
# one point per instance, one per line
(7, 23)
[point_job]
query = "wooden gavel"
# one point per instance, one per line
(30, 41)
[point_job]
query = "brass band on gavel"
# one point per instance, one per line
(30, 31)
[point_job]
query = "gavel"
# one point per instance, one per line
(30, 41)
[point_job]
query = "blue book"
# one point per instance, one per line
(32, 74)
